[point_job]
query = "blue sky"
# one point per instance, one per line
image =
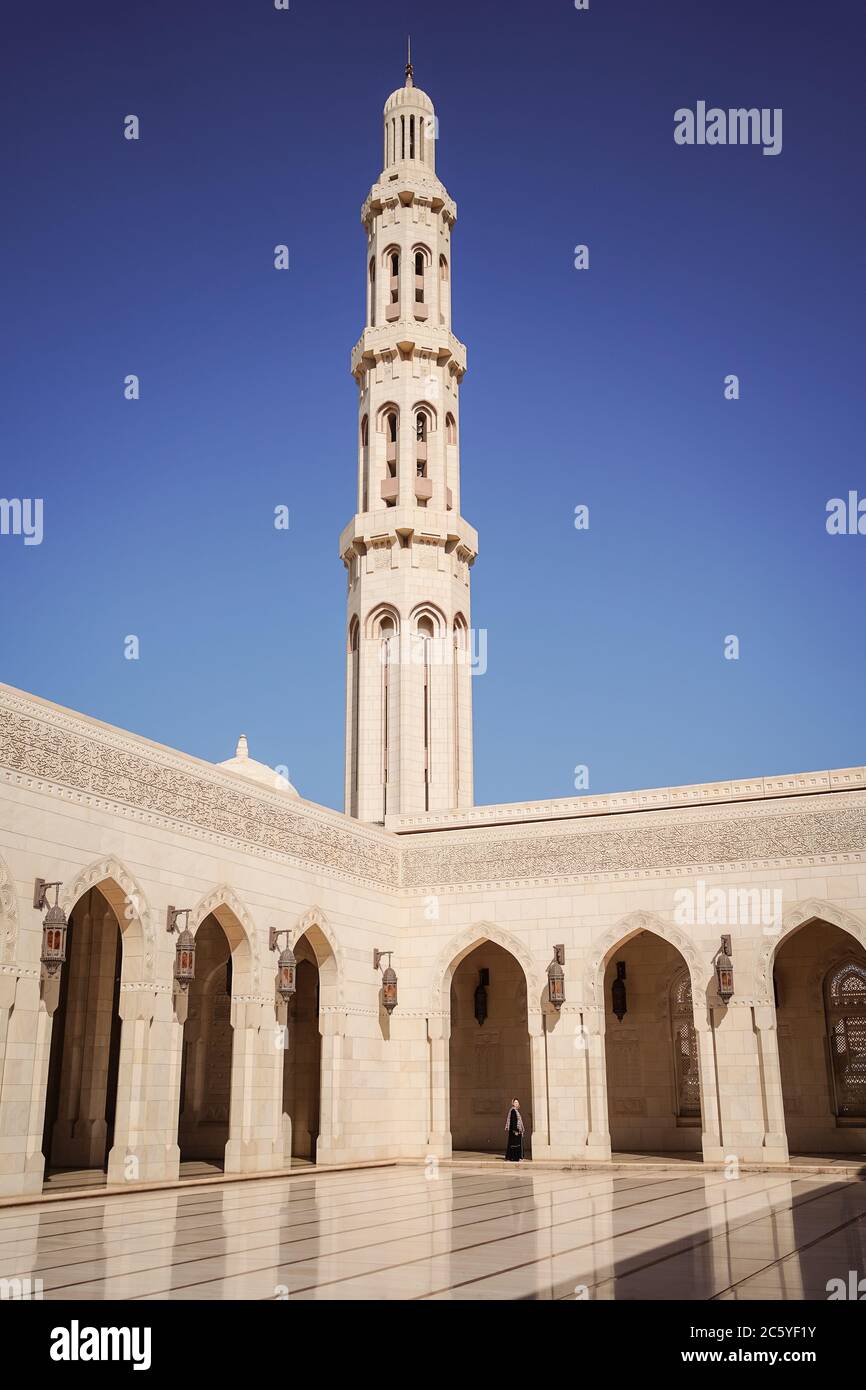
(602, 387)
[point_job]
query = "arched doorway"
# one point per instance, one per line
(206, 1066)
(81, 1093)
(819, 984)
(302, 1062)
(312, 1061)
(489, 1053)
(651, 1052)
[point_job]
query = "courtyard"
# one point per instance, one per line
(443, 1232)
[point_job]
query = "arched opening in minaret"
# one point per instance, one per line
(819, 984)
(83, 1067)
(651, 1051)
(489, 1050)
(444, 291)
(365, 463)
(371, 295)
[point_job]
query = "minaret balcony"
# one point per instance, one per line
(421, 312)
(421, 450)
(376, 343)
(392, 312)
(404, 520)
(423, 489)
(391, 451)
(389, 490)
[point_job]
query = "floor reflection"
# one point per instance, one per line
(462, 1232)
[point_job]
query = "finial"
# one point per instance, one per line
(409, 69)
(242, 750)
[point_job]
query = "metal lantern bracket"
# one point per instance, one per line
(40, 892)
(171, 916)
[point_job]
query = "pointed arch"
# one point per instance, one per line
(129, 905)
(315, 926)
(621, 932)
(373, 621)
(240, 929)
(428, 610)
(466, 941)
(798, 915)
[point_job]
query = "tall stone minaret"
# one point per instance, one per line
(407, 550)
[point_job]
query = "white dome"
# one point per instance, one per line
(245, 766)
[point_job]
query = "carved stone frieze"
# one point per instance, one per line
(54, 749)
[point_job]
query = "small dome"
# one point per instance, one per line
(245, 766)
(408, 96)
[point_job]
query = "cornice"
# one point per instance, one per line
(49, 749)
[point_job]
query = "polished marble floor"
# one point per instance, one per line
(409, 1232)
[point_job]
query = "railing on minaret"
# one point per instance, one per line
(408, 551)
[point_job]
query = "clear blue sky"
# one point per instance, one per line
(602, 387)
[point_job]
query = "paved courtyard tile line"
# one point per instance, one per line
(483, 1234)
(465, 1202)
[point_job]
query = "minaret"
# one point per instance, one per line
(407, 550)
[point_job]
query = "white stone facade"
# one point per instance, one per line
(98, 808)
(408, 551)
(109, 1064)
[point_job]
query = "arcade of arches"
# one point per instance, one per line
(652, 1057)
(85, 1050)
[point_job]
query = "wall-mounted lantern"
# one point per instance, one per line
(53, 926)
(556, 978)
(725, 971)
(481, 996)
(617, 992)
(389, 980)
(184, 950)
(286, 965)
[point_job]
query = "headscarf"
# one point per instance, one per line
(520, 1125)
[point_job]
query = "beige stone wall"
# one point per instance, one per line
(146, 826)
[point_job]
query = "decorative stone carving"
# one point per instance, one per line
(700, 972)
(460, 946)
(56, 752)
(223, 896)
(8, 914)
(627, 846)
(104, 873)
(810, 909)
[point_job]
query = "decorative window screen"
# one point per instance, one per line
(685, 1045)
(845, 1002)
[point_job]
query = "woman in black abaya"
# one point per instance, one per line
(515, 1128)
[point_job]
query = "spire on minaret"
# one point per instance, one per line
(410, 71)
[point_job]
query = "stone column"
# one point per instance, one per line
(332, 1026)
(145, 1145)
(540, 1113)
(438, 1038)
(598, 1135)
(775, 1134)
(25, 1043)
(282, 1045)
(254, 1113)
(711, 1135)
